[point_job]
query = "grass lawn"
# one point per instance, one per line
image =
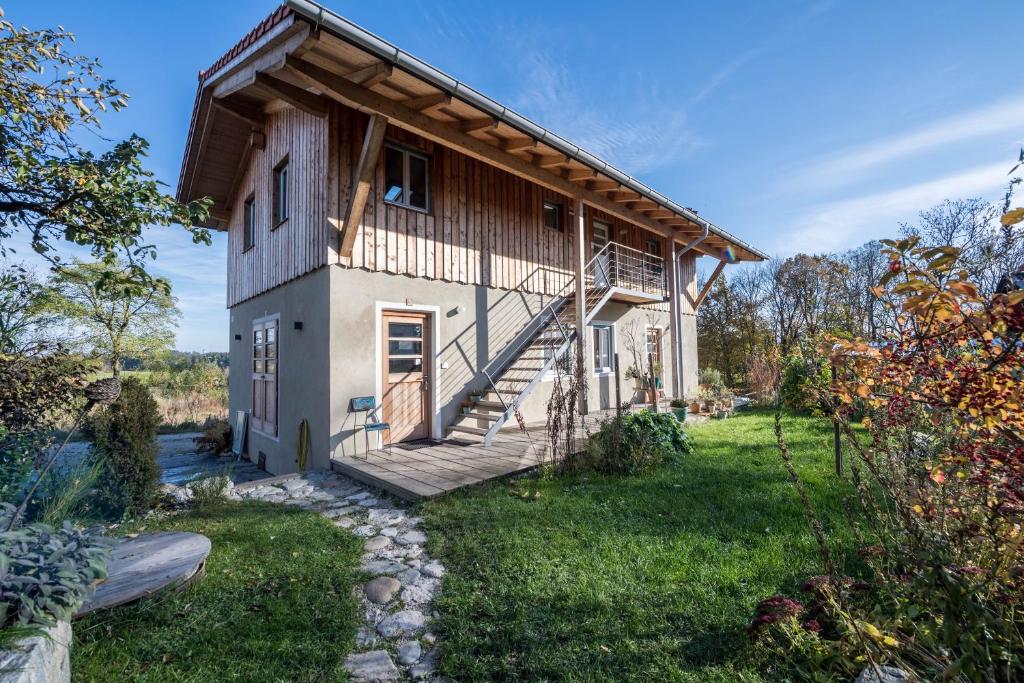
(275, 605)
(632, 578)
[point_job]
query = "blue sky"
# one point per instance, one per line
(799, 126)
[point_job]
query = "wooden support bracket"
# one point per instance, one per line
(368, 157)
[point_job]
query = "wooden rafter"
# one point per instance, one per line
(577, 174)
(372, 144)
(474, 125)
(428, 102)
(707, 285)
(245, 112)
(345, 92)
(544, 161)
(602, 185)
(371, 75)
(518, 144)
(624, 197)
(292, 94)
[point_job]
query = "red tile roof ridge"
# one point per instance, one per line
(261, 29)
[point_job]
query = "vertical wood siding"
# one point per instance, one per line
(483, 227)
(299, 245)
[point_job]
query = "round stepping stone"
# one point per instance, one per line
(409, 577)
(409, 653)
(364, 531)
(345, 522)
(412, 537)
(404, 623)
(390, 532)
(381, 590)
(375, 665)
(376, 543)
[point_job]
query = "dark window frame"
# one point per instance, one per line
(559, 208)
(279, 194)
(249, 223)
(406, 153)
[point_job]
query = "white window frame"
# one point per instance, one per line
(610, 326)
(406, 154)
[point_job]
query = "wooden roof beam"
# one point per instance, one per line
(471, 126)
(602, 185)
(577, 174)
(550, 161)
(428, 103)
(624, 197)
(245, 112)
(371, 75)
(292, 94)
(660, 213)
(517, 144)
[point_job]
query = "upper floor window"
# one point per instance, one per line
(249, 223)
(280, 192)
(406, 178)
(553, 213)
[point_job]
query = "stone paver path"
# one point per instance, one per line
(396, 642)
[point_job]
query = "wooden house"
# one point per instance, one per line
(394, 233)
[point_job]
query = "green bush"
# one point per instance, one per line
(216, 437)
(803, 379)
(46, 574)
(711, 378)
(634, 442)
(124, 440)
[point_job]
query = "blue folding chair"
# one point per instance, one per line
(367, 407)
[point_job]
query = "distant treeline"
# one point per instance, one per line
(177, 360)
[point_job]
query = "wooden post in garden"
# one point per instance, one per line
(654, 382)
(618, 387)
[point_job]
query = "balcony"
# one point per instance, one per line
(634, 276)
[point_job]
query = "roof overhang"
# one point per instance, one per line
(304, 49)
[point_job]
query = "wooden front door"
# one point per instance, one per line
(405, 403)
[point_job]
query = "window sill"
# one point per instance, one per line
(416, 209)
(278, 224)
(249, 248)
(267, 435)
(604, 373)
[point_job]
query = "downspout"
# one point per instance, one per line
(677, 318)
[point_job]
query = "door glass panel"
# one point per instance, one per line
(257, 336)
(271, 335)
(271, 351)
(257, 366)
(271, 367)
(399, 347)
(405, 330)
(403, 365)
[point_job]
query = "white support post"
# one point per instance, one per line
(582, 333)
(675, 321)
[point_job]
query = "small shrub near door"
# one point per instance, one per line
(123, 437)
(633, 443)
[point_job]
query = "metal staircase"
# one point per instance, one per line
(517, 371)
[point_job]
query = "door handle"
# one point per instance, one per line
(424, 383)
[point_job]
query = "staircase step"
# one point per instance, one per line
(467, 430)
(490, 405)
(490, 417)
(516, 380)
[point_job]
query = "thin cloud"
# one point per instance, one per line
(850, 222)
(855, 163)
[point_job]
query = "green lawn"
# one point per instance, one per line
(639, 578)
(275, 605)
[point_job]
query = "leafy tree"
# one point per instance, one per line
(27, 318)
(51, 188)
(121, 317)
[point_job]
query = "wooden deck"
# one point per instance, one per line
(417, 471)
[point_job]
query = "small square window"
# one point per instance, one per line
(249, 223)
(406, 178)
(553, 212)
(280, 192)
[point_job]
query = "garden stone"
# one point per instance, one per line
(429, 638)
(390, 532)
(42, 658)
(292, 484)
(382, 567)
(368, 502)
(889, 674)
(409, 653)
(433, 569)
(369, 667)
(412, 537)
(419, 593)
(359, 496)
(381, 590)
(427, 665)
(409, 577)
(345, 522)
(338, 512)
(415, 564)
(366, 638)
(387, 516)
(364, 531)
(376, 543)
(404, 623)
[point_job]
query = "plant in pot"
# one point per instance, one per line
(694, 405)
(707, 400)
(679, 408)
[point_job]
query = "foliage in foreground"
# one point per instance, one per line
(940, 486)
(632, 578)
(46, 573)
(275, 605)
(633, 443)
(124, 440)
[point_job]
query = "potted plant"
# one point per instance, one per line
(678, 406)
(694, 405)
(467, 408)
(707, 400)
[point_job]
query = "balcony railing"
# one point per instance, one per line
(627, 268)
